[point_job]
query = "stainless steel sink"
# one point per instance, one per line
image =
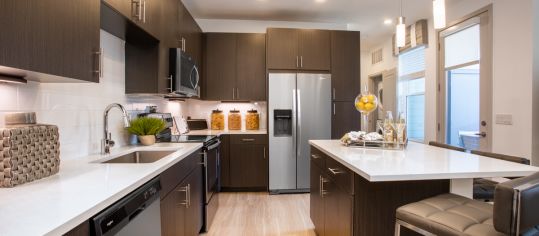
(140, 157)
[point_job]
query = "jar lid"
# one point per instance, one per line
(234, 111)
(216, 111)
(252, 111)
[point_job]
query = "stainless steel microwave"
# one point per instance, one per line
(184, 76)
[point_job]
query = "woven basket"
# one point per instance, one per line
(28, 153)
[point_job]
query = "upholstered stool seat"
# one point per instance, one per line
(450, 214)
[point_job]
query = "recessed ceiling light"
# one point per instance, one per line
(320, 1)
(388, 22)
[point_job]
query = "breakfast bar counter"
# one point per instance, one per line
(372, 183)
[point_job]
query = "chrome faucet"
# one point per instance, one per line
(107, 141)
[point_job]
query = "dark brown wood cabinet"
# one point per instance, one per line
(58, 38)
(317, 207)
(144, 13)
(190, 34)
(224, 155)
(345, 118)
(234, 66)
(244, 162)
(182, 206)
(251, 67)
(303, 49)
(331, 202)
(219, 66)
(345, 65)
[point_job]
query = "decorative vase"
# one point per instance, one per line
(147, 140)
(365, 103)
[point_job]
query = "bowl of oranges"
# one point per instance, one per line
(366, 103)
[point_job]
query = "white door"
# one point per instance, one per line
(466, 84)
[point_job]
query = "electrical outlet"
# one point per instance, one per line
(504, 119)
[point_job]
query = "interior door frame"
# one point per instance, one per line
(484, 17)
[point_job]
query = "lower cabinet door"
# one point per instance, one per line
(338, 210)
(181, 209)
(194, 211)
(317, 202)
(173, 213)
(248, 166)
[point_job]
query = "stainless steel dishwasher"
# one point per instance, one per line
(139, 213)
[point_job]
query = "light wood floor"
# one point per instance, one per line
(256, 214)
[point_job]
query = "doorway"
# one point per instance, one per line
(465, 83)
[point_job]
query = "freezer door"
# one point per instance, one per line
(282, 148)
(314, 119)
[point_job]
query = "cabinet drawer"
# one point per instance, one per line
(171, 177)
(249, 139)
(342, 176)
(318, 158)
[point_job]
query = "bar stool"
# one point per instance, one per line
(515, 212)
(483, 189)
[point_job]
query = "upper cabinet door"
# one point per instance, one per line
(251, 67)
(152, 17)
(53, 37)
(345, 65)
(314, 50)
(191, 34)
(282, 49)
(122, 6)
(220, 66)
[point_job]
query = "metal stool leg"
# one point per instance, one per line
(397, 229)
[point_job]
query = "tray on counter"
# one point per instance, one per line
(386, 145)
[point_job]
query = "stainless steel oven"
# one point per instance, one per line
(211, 152)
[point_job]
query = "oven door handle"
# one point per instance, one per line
(214, 146)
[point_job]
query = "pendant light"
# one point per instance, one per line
(438, 12)
(400, 36)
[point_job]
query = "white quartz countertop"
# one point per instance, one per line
(419, 162)
(222, 132)
(56, 204)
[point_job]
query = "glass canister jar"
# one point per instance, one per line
(217, 120)
(234, 120)
(252, 120)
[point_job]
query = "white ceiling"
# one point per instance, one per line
(366, 16)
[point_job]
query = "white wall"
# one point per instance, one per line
(535, 143)
(256, 26)
(512, 72)
(77, 109)
(389, 61)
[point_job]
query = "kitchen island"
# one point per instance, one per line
(355, 191)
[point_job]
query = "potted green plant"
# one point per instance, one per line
(146, 128)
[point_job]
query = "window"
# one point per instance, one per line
(411, 92)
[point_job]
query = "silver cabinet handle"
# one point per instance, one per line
(322, 190)
(144, 12)
(99, 63)
(314, 156)
(170, 83)
(335, 171)
(187, 191)
(264, 153)
(297, 61)
(333, 93)
(237, 93)
(334, 109)
(248, 140)
(233, 94)
(183, 44)
(301, 61)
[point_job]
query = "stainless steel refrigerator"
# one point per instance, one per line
(299, 110)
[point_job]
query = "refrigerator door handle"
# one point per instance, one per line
(294, 120)
(298, 93)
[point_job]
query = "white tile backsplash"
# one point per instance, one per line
(77, 108)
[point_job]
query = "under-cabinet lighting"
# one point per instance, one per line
(14, 79)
